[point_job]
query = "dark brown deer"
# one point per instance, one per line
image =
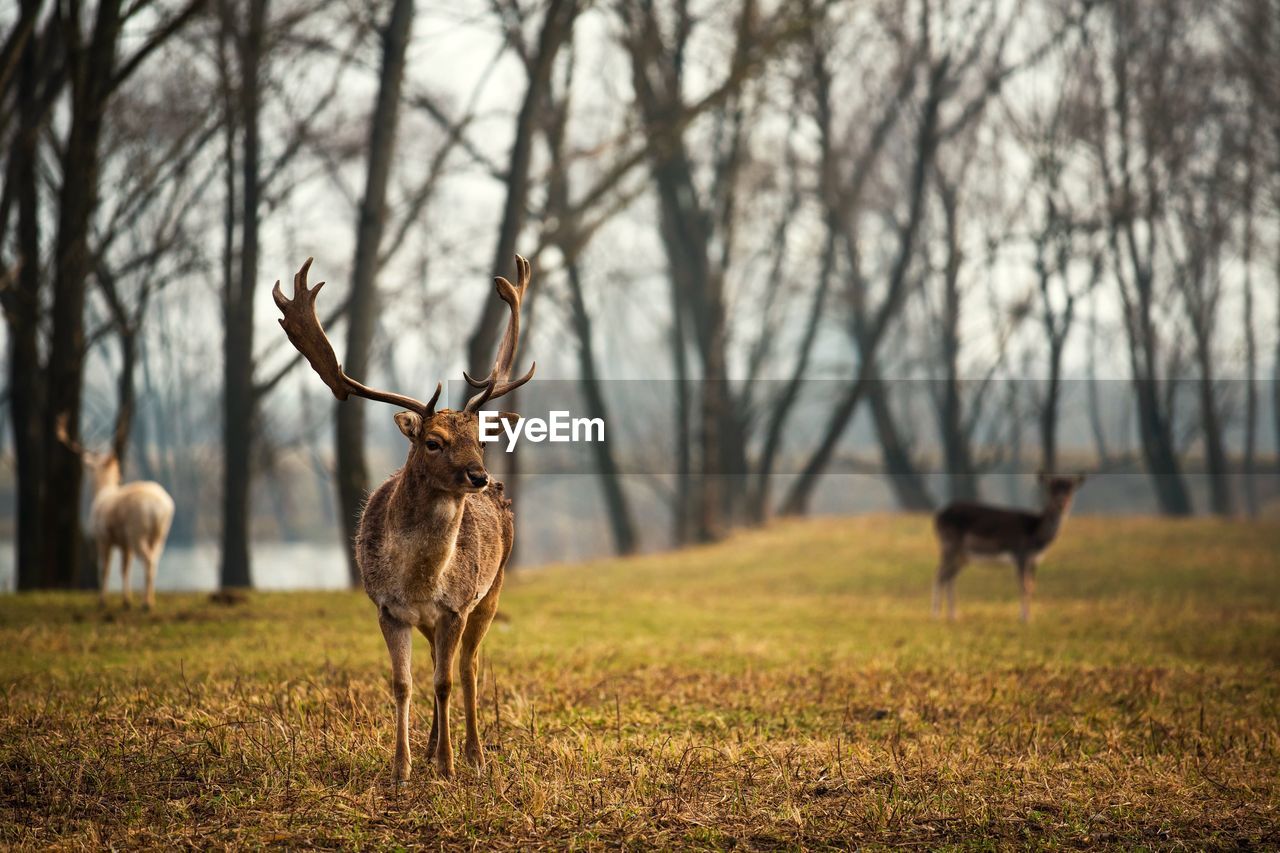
(968, 530)
(433, 540)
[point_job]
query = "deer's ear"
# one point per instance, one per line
(510, 418)
(410, 424)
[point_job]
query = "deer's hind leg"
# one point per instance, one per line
(477, 626)
(399, 637)
(104, 569)
(150, 557)
(126, 558)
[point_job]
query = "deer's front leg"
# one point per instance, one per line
(1027, 583)
(429, 633)
(477, 626)
(399, 637)
(448, 633)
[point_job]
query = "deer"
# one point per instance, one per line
(966, 530)
(133, 517)
(433, 540)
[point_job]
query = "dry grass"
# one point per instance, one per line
(784, 690)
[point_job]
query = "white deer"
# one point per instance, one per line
(133, 517)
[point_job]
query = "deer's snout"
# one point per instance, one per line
(478, 477)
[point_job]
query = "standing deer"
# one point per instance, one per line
(134, 517)
(433, 539)
(967, 530)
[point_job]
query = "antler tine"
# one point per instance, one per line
(60, 429)
(496, 384)
(306, 334)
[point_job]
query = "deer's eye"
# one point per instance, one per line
(432, 444)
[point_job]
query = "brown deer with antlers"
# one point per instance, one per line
(133, 517)
(434, 538)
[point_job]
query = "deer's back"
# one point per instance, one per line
(133, 514)
(985, 528)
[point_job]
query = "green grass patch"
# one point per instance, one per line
(786, 689)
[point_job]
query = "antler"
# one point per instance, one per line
(61, 430)
(495, 384)
(306, 334)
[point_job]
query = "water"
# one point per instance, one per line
(195, 568)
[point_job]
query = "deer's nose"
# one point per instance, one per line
(478, 477)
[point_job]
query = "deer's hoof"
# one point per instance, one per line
(476, 757)
(444, 766)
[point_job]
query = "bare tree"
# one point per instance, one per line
(697, 228)
(1253, 58)
(352, 473)
(1199, 220)
(1061, 225)
(570, 237)
(85, 65)
(841, 195)
(554, 32)
(253, 183)
(1132, 122)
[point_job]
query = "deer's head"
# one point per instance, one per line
(104, 466)
(1060, 491)
(445, 449)
(444, 446)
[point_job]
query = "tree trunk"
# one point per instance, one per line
(353, 474)
(684, 484)
(904, 477)
(621, 523)
(1220, 497)
(870, 335)
(567, 237)
(1049, 409)
(1156, 434)
(961, 478)
(92, 68)
(1155, 428)
(801, 493)
(557, 24)
(1158, 451)
(126, 395)
(1249, 463)
(1095, 400)
(25, 380)
(239, 412)
(780, 410)
(1275, 366)
(127, 333)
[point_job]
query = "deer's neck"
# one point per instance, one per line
(424, 521)
(1051, 519)
(106, 478)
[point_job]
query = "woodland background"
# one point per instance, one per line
(802, 256)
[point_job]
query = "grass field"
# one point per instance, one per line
(785, 689)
